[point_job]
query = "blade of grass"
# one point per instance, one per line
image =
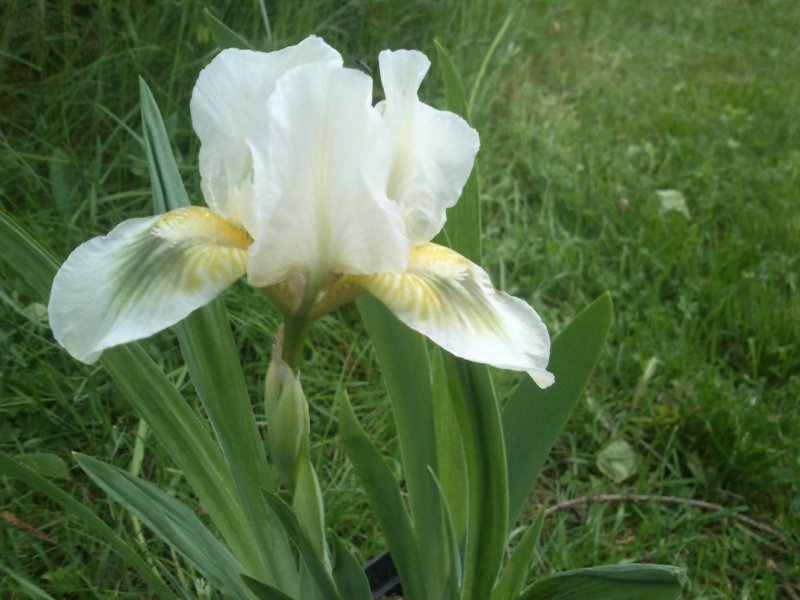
(262, 7)
(224, 36)
(486, 58)
(31, 589)
(26, 256)
(10, 468)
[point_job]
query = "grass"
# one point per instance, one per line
(586, 110)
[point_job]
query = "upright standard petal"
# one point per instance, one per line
(144, 276)
(432, 150)
(452, 301)
(229, 93)
(320, 164)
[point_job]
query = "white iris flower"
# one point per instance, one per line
(316, 195)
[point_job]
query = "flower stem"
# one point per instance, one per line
(294, 335)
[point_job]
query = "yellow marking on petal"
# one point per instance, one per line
(439, 287)
(210, 247)
(142, 277)
(200, 225)
(452, 301)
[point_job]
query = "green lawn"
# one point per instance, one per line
(586, 110)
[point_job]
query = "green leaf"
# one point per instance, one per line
(165, 179)
(213, 361)
(452, 464)
(473, 400)
(404, 364)
(463, 226)
(617, 460)
(513, 577)
(487, 506)
(450, 562)
(304, 545)
(224, 36)
(307, 506)
(187, 441)
(154, 399)
(613, 582)
(11, 468)
(348, 574)
(384, 496)
(673, 200)
(171, 521)
(533, 418)
(47, 465)
(263, 591)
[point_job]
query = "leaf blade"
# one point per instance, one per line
(165, 179)
(170, 520)
(487, 507)
(403, 358)
(386, 501)
(151, 395)
(350, 578)
(513, 576)
(613, 582)
(450, 449)
(532, 418)
(263, 591)
(208, 347)
(304, 545)
(186, 440)
(463, 226)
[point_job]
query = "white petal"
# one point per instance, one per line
(229, 93)
(144, 276)
(433, 150)
(452, 301)
(321, 162)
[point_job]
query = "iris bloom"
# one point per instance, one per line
(316, 195)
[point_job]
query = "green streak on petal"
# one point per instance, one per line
(443, 290)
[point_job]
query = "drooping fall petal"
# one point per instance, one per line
(144, 276)
(230, 92)
(452, 301)
(320, 162)
(432, 150)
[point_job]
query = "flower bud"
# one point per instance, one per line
(287, 418)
